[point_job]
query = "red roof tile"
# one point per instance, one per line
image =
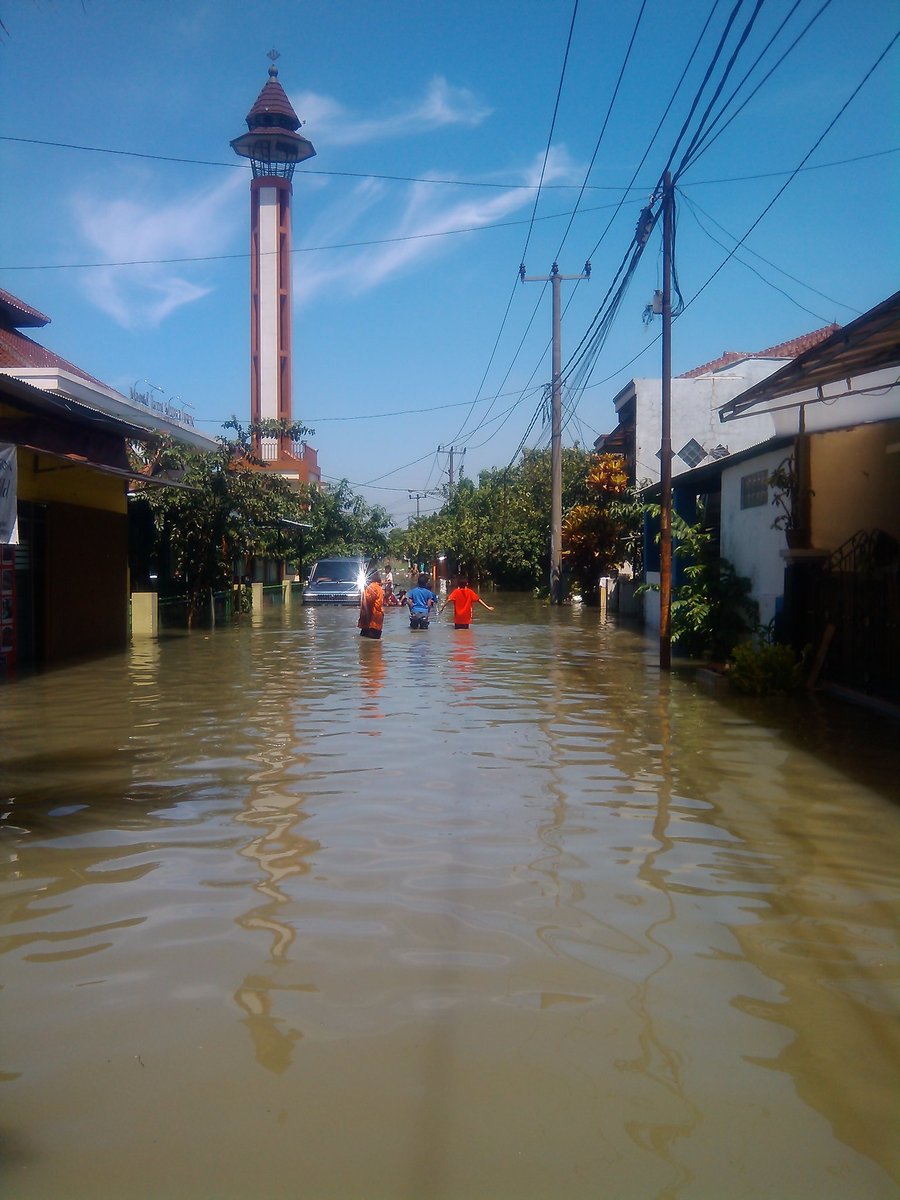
(272, 101)
(17, 350)
(783, 350)
(19, 315)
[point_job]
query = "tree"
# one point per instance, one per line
(226, 509)
(592, 530)
(499, 529)
(342, 523)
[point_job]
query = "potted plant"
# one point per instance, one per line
(786, 499)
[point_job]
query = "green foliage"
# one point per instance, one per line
(627, 510)
(342, 523)
(226, 511)
(760, 670)
(230, 510)
(499, 528)
(713, 609)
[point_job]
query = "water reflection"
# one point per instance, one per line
(371, 676)
(555, 925)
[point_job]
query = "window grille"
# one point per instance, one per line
(755, 489)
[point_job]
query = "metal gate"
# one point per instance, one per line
(857, 597)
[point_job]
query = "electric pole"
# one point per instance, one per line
(555, 279)
(452, 450)
(417, 496)
(665, 445)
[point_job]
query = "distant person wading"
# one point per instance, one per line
(462, 598)
(420, 600)
(371, 608)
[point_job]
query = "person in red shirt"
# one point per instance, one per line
(462, 598)
(371, 608)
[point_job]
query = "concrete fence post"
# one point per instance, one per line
(144, 614)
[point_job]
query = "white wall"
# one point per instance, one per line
(268, 304)
(747, 537)
(695, 405)
(855, 478)
(872, 397)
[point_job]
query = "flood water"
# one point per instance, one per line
(475, 915)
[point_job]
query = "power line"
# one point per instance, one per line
(146, 262)
(350, 483)
(698, 132)
(598, 330)
(512, 293)
(695, 208)
(838, 162)
(707, 75)
(241, 166)
(559, 88)
(409, 237)
(589, 349)
(710, 137)
(468, 183)
(566, 233)
(834, 120)
(819, 140)
(603, 127)
(643, 159)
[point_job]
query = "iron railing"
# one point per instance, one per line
(857, 605)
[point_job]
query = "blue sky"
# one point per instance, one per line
(432, 123)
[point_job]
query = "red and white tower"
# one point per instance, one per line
(274, 148)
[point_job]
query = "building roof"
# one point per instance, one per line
(783, 350)
(76, 434)
(16, 314)
(17, 351)
(22, 357)
(870, 343)
(272, 102)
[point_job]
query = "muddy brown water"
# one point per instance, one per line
(478, 914)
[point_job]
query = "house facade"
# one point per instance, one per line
(828, 574)
(64, 581)
(697, 395)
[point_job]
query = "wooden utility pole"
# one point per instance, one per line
(554, 278)
(665, 444)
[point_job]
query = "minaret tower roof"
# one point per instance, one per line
(272, 142)
(272, 106)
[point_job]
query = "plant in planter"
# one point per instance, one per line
(786, 499)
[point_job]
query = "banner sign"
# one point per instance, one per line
(9, 531)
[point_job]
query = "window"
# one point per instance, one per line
(755, 489)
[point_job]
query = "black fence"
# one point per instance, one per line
(857, 613)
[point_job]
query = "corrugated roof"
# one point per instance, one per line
(788, 349)
(870, 343)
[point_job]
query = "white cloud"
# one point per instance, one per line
(441, 106)
(131, 229)
(426, 212)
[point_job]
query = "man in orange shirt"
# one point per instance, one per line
(371, 608)
(462, 598)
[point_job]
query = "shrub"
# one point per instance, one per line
(766, 668)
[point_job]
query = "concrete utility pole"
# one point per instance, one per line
(417, 496)
(452, 450)
(554, 278)
(665, 444)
